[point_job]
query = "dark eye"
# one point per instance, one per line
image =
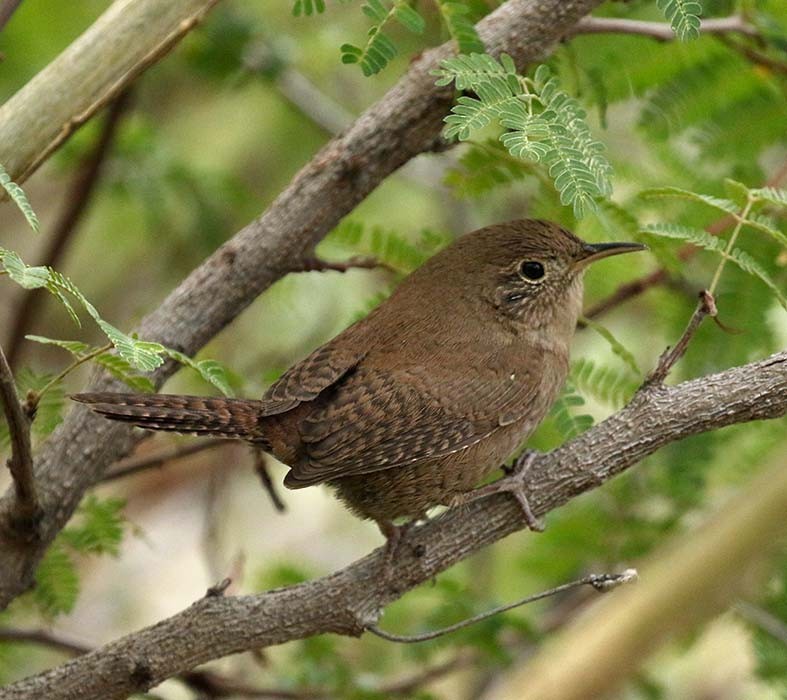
(531, 270)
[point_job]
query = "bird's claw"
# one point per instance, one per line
(513, 483)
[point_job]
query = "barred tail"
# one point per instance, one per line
(230, 418)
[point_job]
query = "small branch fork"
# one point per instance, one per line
(601, 582)
(668, 359)
(20, 463)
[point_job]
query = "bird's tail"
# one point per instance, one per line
(230, 418)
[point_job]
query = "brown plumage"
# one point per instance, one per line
(412, 406)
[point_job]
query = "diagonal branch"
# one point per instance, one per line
(407, 121)
(129, 37)
(24, 506)
(349, 601)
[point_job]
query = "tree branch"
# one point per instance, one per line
(122, 43)
(661, 31)
(405, 122)
(134, 465)
(24, 508)
(7, 8)
(349, 601)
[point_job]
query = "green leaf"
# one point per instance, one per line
(125, 372)
(99, 528)
(717, 245)
(690, 234)
(545, 124)
(460, 27)
(379, 49)
(139, 354)
(57, 582)
(18, 196)
(683, 16)
(308, 7)
(603, 383)
(767, 225)
(737, 191)
(748, 264)
(725, 205)
(568, 423)
(774, 195)
(27, 277)
(75, 347)
(481, 169)
(409, 18)
(210, 370)
(617, 347)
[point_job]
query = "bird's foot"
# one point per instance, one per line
(394, 538)
(514, 483)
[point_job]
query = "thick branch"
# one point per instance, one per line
(123, 42)
(405, 122)
(350, 600)
(24, 508)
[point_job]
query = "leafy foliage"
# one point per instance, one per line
(136, 354)
(744, 215)
(387, 246)
(605, 384)
(379, 49)
(484, 167)
(48, 410)
(308, 7)
(455, 14)
(683, 16)
(18, 196)
(615, 345)
(544, 124)
(97, 529)
(568, 421)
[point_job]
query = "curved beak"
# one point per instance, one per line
(597, 251)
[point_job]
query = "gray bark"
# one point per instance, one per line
(348, 601)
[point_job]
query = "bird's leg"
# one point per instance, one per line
(394, 536)
(513, 483)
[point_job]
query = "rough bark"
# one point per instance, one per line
(405, 122)
(353, 598)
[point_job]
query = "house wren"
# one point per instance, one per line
(415, 404)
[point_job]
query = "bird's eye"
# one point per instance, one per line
(531, 270)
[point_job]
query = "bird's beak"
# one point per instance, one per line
(596, 251)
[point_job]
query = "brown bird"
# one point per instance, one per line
(414, 405)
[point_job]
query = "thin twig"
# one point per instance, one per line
(629, 290)
(705, 307)
(133, 465)
(31, 403)
(43, 638)
(21, 461)
(601, 582)
(77, 200)
(261, 468)
(7, 9)
(661, 31)
(316, 264)
(764, 620)
(755, 56)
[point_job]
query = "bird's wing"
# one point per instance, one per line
(305, 380)
(381, 420)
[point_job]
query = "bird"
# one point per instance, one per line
(417, 403)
